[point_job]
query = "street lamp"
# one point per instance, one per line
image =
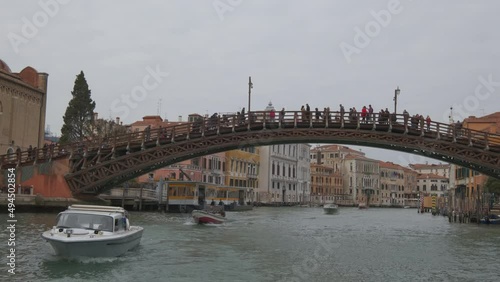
(396, 93)
(250, 86)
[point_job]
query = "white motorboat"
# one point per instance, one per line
(214, 215)
(330, 208)
(93, 231)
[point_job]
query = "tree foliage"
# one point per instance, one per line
(79, 114)
(492, 185)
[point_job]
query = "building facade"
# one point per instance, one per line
(242, 169)
(279, 178)
(23, 103)
(361, 179)
(392, 183)
(326, 184)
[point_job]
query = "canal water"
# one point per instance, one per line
(274, 244)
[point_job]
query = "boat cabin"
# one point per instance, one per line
(99, 218)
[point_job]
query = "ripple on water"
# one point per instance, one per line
(269, 244)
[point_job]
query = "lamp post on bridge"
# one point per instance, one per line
(250, 86)
(396, 93)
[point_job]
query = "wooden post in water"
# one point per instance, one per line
(140, 198)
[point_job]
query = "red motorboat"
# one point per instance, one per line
(201, 216)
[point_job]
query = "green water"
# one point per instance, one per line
(274, 244)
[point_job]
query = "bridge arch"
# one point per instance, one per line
(97, 166)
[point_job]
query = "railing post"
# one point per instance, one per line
(341, 122)
(374, 123)
(295, 118)
(487, 147)
(218, 125)
(358, 122)
(469, 136)
(203, 126)
(438, 134)
(233, 124)
(140, 199)
(172, 139)
(190, 127)
(249, 127)
(390, 124)
(326, 117)
(264, 120)
(422, 131)
(310, 119)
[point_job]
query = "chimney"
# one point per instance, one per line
(117, 120)
(43, 79)
(180, 118)
(95, 116)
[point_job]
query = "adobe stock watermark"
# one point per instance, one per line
(310, 265)
(363, 38)
(484, 89)
(123, 105)
(225, 6)
(40, 19)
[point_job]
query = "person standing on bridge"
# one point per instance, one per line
(370, 113)
(318, 114)
(272, 115)
(364, 112)
(282, 116)
(342, 112)
(428, 121)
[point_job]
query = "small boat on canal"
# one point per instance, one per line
(93, 231)
(214, 215)
(490, 219)
(362, 206)
(330, 208)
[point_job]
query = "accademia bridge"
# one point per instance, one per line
(97, 165)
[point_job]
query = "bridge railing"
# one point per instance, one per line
(259, 120)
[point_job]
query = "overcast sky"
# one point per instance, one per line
(196, 56)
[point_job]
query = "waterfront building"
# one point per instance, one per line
(438, 169)
(467, 191)
(303, 173)
(411, 195)
(361, 179)
(333, 156)
(242, 170)
(279, 180)
(23, 102)
(467, 186)
(326, 184)
(432, 184)
(392, 184)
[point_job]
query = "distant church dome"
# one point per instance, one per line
(270, 106)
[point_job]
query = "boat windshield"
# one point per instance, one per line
(86, 221)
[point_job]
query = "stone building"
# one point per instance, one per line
(326, 185)
(392, 184)
(23, 103)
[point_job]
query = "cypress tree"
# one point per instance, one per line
(79, 115)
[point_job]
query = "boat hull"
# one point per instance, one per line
(362, 206)
(203, 217)
(330, 209)
(98, 246)
(490, 220)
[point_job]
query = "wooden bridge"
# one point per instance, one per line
(95, 166)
